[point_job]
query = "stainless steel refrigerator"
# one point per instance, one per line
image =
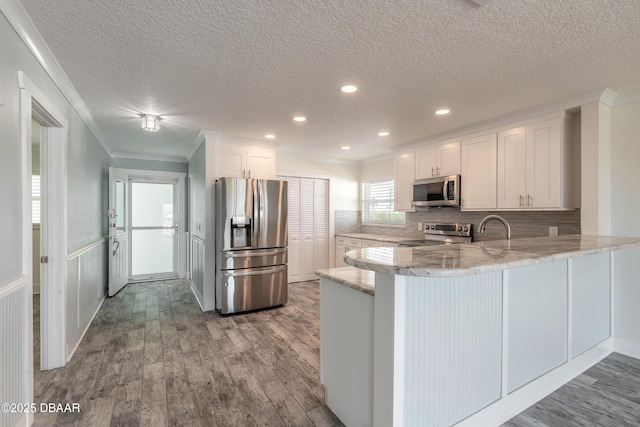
(251, 244)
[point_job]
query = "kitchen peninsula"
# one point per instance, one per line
(467, 333)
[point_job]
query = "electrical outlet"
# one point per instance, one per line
(419, 226)
(553, 231)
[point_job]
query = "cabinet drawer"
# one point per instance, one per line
(348, 241)
(371, 244)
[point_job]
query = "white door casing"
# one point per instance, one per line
(118, 230)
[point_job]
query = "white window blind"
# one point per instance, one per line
(377, 203)
(35, 199)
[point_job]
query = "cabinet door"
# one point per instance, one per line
(261, 163)
(230, 161)
(478, 172)
(543, 164)
(308, 229)
(448, 159)
(404, 177)
(340, 251)
(426, 163)
(512, 166)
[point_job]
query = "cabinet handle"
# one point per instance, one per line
(529, 200)
(521, 201)
(437, 171)
(243, 173)
(433, 172)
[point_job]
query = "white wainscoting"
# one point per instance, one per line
(450, 322)
(15, 323)
(86, 289)
(197, 269)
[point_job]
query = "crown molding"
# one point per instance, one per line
(627, 98)
(26, 30)
(152, 157)
(601, 95)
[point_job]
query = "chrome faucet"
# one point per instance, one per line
(488, 218)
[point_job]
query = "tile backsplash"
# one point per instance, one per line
(523, 223)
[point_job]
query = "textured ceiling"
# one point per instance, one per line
(245, 68)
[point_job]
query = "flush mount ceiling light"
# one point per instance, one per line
(150, 123)
(299, 119)
(442, 112)
(269, 136)
(349, 88)
(346, 147)
(383, 133)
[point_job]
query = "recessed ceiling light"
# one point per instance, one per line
(299, 118)
(346, 147)
(349, 88)
(383, 133)
(442, 112)
(269, 136)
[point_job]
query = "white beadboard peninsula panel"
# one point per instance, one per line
(453, 347)
(346, 322)
(591, 301)
(14, 356)
(538, 317)
(626, 274)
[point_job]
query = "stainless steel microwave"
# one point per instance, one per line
(439, 191)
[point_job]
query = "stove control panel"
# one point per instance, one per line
(441, 229)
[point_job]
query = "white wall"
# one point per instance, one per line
(375, 170)
(625, 180)
(86, 183)
(344, 176)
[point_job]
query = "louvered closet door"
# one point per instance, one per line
(321, 240)
(295, 229)
(308, 228)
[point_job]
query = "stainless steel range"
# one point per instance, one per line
(441, 234)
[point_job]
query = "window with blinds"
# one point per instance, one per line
(35, 199)
(377, 203)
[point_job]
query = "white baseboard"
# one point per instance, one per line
(626, 347)
(504, 409)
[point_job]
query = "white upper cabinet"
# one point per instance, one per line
(404, 173)
(534, 166)
(242, 161)
(438, 160)
(478, 172)
(512, 164)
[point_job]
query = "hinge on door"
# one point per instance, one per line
(44, 260)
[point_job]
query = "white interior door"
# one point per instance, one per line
(118, 230)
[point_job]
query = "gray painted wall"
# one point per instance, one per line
(149, 165)
(197, 172)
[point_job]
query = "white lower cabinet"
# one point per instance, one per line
(344, 245)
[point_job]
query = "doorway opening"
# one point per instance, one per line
(35, 241)
(146, 226)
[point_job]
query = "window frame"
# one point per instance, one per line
(367, 202)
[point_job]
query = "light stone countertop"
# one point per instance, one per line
(377, 237)
(481, 257)
(356, 278)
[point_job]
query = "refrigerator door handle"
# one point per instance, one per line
(257, 214)
(253, 271)
(233, 254)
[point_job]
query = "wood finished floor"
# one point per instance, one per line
(152, 358)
